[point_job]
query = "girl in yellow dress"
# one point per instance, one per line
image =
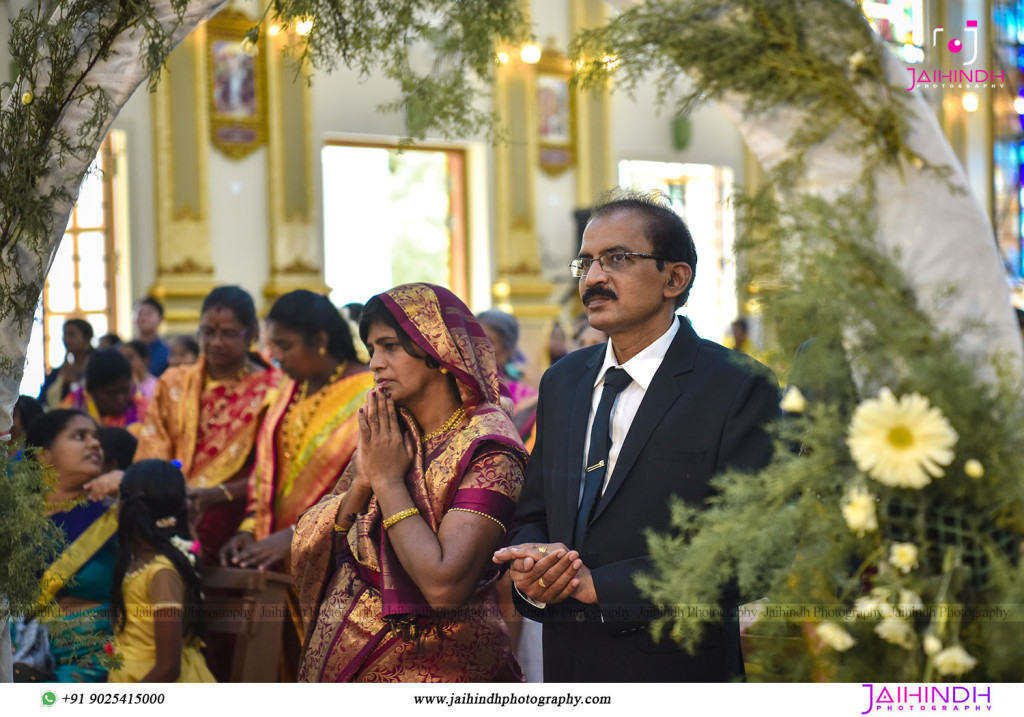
(156, 598)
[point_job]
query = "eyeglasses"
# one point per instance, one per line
(611, 262)
(208, 334)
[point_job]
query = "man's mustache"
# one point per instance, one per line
(598, 291)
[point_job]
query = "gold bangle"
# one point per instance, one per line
(491, 517)
(400, 515)
(227, 493)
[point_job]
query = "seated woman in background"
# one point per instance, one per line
(80, 578)
(184, 351)
(503, 331)
(309, 433)
(60, 381)
(137, 353)
(394, 567)
(206, 416)
(107, 394)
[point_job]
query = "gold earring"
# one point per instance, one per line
(444, 371)
(323, 350)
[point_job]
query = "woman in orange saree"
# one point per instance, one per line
(206, 416)
(393, 569)
(310, 431)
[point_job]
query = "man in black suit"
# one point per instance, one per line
(623, 427)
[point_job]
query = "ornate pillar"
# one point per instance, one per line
(296, 253)
(595, 173)
(181, 158)
(517, 247)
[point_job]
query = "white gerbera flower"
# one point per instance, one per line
(903, 556)
(859, 511)
(954, 661)
(898, 632)
(901, 443)
(835, 637)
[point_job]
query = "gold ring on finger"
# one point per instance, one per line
(540, 582)
(542, 550)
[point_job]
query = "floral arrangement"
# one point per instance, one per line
(882, 541)
(887, 527)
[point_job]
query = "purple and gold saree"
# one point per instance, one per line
(366, 620)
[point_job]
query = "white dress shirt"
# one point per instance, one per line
(641, 368)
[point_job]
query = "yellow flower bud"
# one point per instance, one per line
(26, 99)
(793, 401)
(974, 469)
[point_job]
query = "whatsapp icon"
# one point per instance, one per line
(49, 698)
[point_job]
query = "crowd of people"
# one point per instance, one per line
(392, 460)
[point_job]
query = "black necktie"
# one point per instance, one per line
(600, 441)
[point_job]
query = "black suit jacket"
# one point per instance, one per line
(702, 413)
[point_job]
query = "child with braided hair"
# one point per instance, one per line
(156, 596)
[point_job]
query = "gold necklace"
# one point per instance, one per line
(294, 425)
(242, 373)
(451, 423)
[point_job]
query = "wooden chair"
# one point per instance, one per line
(251, 606)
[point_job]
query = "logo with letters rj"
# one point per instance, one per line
(956, 45)
(965, 48)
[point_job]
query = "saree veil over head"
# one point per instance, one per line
(440, 324)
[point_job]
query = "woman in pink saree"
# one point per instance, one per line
(393, 568)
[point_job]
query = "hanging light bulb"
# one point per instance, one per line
(274, 30)
(502, 58)
(304, 26)
(1018, 105)
(531, 53)
(970, 101)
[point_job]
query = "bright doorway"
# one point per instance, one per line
(700, 194)
(392, 217)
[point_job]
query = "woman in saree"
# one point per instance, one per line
(309, 433)
(206, 416)
(79, 580)
(393, 567)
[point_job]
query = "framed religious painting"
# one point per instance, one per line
(237, 82)
(556, 109)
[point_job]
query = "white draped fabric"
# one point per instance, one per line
(119, 75)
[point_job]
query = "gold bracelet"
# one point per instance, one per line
(227, 493)
(400, 515)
